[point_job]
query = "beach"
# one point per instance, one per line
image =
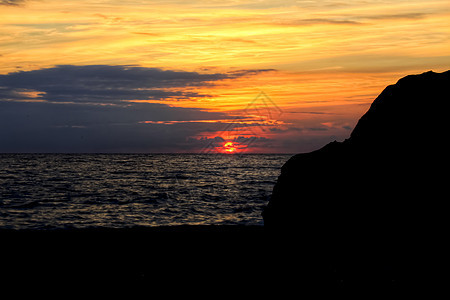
(197, 258)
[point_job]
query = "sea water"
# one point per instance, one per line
(51, 191)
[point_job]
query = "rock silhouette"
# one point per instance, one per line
(383, 179)
(375, 197)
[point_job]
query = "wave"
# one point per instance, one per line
(124, 190)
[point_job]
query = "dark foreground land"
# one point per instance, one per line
(217, 259)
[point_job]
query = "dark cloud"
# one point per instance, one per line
(81, 109)
(54, 127)
(11, 2)
(317, 128)
(81, 127)
(109, 84)
(407, 16)
(352, 19)
(328, 21)
(288, 129)
(254, 141)
(84, 109)
(317, 21)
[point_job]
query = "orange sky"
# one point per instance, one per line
(321, 63)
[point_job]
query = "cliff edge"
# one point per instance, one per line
(386, 181)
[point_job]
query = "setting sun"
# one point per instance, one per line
(229, 147)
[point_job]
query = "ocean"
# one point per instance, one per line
(59, 191)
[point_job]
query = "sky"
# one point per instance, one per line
(192, 76)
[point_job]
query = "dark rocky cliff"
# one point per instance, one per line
(386, 182)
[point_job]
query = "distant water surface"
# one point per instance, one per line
(43, 191)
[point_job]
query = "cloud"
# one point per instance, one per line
(87, 109)
(109, 84)
(82, 127)
(316, 21)
(403, 16)
(317, 128)
(11, 2)
(351, 19)
(330, 21)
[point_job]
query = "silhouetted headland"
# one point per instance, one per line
(376, 198)
(384, 180)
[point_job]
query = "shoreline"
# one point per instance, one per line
(140, 229)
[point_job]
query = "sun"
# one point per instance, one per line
(229, 148)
